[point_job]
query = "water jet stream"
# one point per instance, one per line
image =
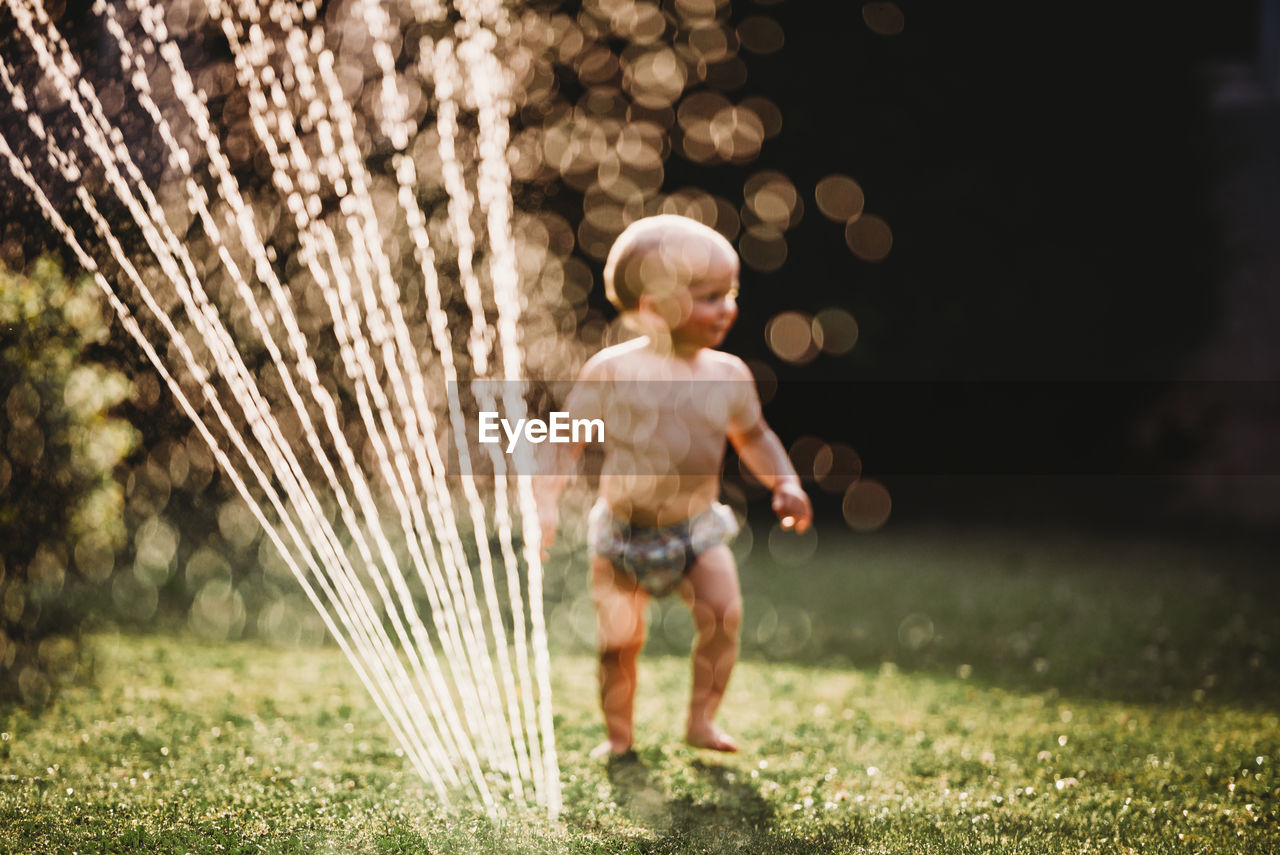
(466, 692)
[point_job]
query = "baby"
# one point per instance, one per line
(668, 400)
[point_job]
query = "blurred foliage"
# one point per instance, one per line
(61, 520)
(197, 559)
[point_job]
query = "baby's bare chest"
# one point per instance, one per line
(649, 411)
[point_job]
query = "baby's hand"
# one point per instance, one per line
(792, 506)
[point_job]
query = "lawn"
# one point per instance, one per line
(922, 691)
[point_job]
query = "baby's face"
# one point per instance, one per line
(709, 306)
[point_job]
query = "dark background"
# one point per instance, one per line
(1049, 176)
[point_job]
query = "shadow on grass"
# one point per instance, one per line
(729, 815)
(730, 805)
(1135, 617)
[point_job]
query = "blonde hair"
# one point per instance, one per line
(657, 254)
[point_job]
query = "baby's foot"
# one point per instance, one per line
(611, 750)
(711, 738)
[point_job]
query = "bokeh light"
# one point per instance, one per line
(732, 133)
(763, 249)
(290, 619)
(708, 43)
(784, 631)
(133, 597)
(839, 198)
(700, 205)
(883, 18)
(95, 555)
(767, 111)
(836, 467)
(694, 10)
(641, 22)
(34, 687)
(218, 612)
(760, 619)
(803, 452)
(771, 202)
(760, 34)
(869, 237)
(649, 81)
(867, 505)
(654, 77)
(237, 524)
(835, 331)
(47, 571)
(790, 336)
(155, 551)
(915, 631)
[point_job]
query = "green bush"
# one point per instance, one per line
(61, 509)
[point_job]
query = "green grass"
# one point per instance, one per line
(922, 692)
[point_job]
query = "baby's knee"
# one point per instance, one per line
(619, 656)
(624, 638)
(622, 630)
(718, 615)
(731, 615)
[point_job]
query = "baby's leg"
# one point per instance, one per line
(713, 596)
(620, 608)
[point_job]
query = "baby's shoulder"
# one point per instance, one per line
(604, 364)
(718, 365)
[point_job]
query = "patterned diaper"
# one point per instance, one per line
(659, 557)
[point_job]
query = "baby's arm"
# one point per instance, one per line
(557, 461)
(762, 452)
